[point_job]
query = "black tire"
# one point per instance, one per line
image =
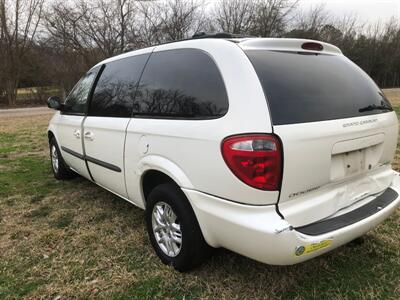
(356, 242)
(194, 249)
(63, 171)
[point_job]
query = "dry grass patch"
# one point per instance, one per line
(393, 95)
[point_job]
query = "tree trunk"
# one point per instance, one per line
(11, 91)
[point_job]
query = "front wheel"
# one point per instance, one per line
(173, 228)
(60, 169)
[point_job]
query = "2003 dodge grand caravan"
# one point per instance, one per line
(277, 149)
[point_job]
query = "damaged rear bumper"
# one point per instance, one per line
(260, 233)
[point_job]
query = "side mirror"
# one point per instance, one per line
(54, 102)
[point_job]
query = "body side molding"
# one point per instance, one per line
(92, 160)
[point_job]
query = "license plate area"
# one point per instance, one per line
(355, 162)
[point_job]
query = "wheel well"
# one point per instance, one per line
(50, 135)
(153, 178)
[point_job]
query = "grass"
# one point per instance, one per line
(75, 240)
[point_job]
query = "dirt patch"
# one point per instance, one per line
(22, 112)
(393, 95)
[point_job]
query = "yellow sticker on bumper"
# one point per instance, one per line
(302, 250)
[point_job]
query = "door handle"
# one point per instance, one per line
(77, 133)
(89, 135)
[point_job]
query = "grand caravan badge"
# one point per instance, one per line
(358, 123)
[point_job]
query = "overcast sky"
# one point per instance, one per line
(366, 10)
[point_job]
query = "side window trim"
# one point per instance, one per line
(140, 80)
(96, 80)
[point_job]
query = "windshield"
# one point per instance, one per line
(303, 87)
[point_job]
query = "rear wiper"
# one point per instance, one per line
(375, 107)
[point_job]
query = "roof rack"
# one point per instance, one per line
(197, 35)
(218, 35)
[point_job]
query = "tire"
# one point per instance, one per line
(60, 169)
(193, 249)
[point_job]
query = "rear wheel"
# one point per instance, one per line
(357, 242)
(60, 169)
(173, 228)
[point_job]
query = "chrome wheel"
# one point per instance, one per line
(166, 229)
(54, 158)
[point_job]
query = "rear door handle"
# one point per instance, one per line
(77, 133)
(89, 135)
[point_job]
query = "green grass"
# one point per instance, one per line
(397, 110)
(75, 240)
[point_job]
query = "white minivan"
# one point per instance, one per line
(277, 149)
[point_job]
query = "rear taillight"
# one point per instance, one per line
(255, 159)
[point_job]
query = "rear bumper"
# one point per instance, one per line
(258, 232)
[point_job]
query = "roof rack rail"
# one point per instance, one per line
(218, 35)
(198, 35)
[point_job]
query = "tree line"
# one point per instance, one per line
(52, 43)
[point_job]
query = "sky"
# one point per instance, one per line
(369, 11)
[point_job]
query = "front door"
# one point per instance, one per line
(69, 128)
(104, 145)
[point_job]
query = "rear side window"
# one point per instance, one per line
(307, 88)
(115, 90)
(183, 83)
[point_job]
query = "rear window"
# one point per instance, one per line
(304, 88)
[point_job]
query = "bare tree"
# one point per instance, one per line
(72, 53)
(88, 32)
(234, 16)
(180, 19)
(101, 24)
(19, 22)
(308, 24)
(255, 17)
(271, 17)
(2, 63)
(150, 26)
(169, 21)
